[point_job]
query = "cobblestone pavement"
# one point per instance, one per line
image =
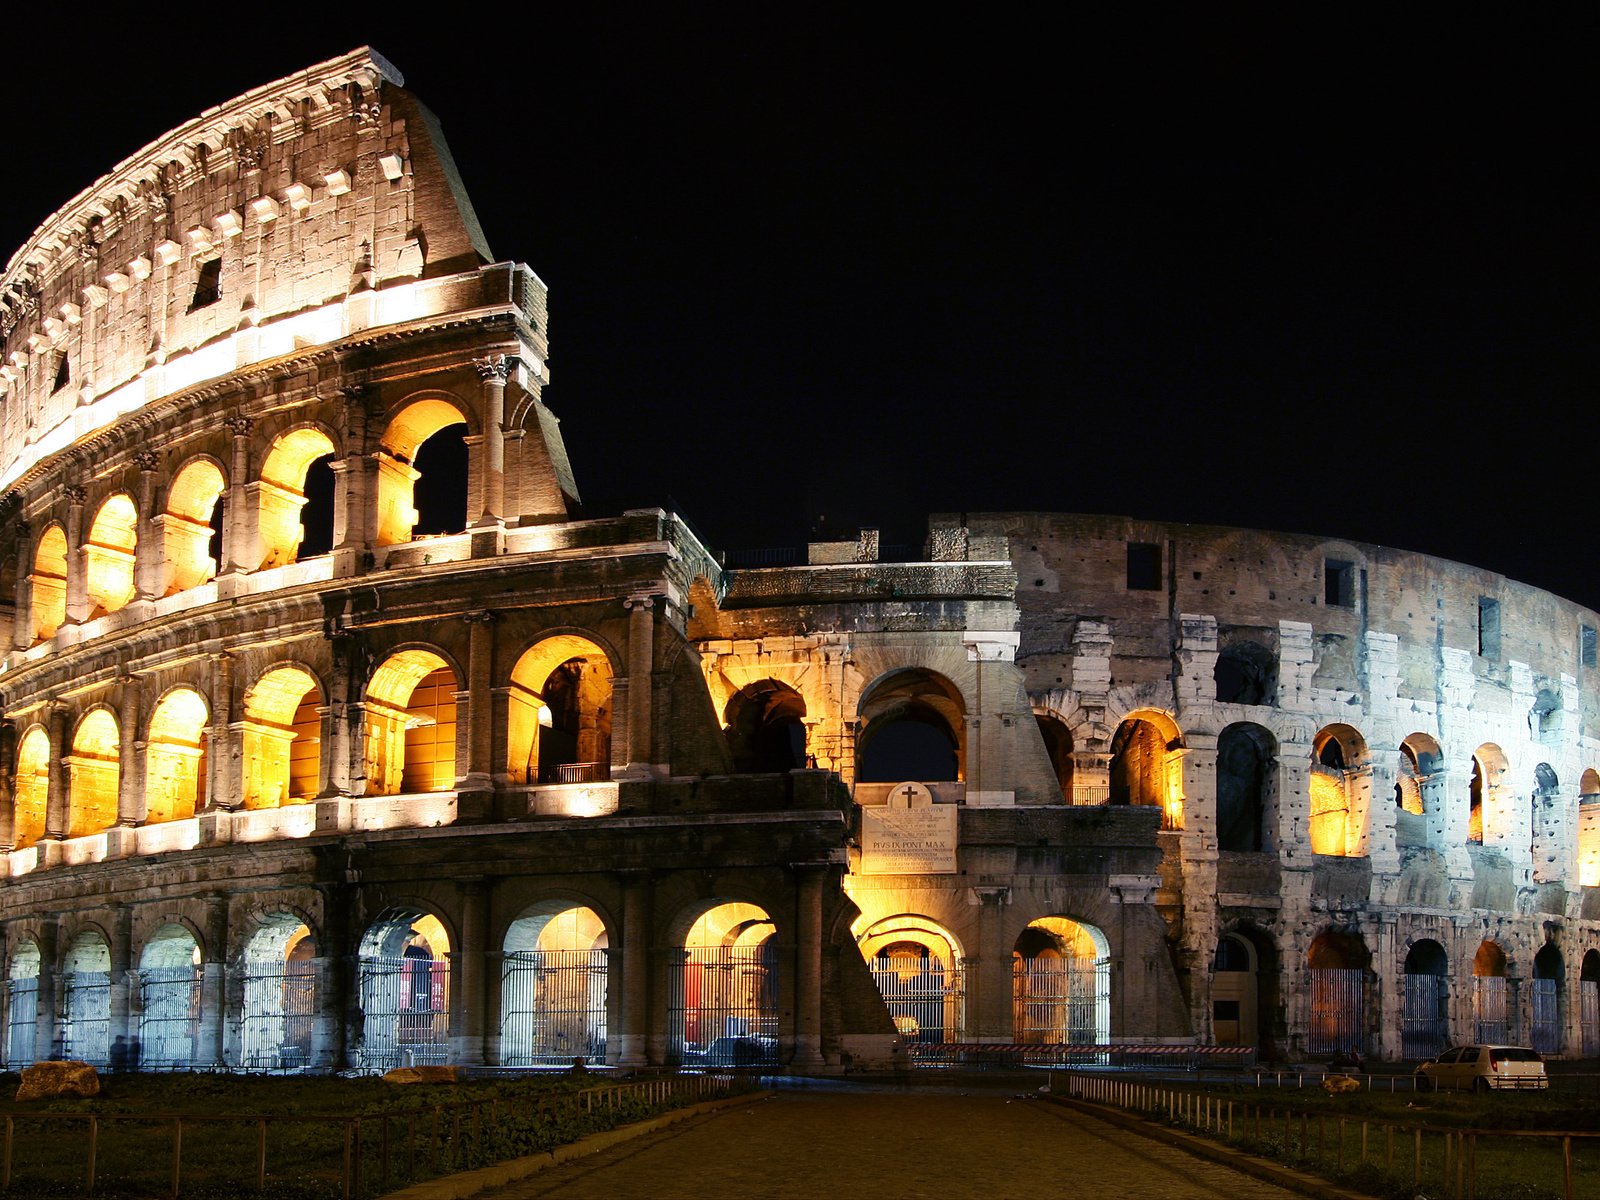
(892, 1143)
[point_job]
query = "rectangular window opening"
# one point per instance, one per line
(208, 284)
(1144, 567)
(1586, 645)
(1338, 583)
(1488, 627)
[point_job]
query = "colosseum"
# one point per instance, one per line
(336, 738)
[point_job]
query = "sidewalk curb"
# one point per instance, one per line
(1201, 1147)
(470, 1183)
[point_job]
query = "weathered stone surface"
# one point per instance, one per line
(47, 1080)
(424, 1074)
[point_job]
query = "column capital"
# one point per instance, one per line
(147, 460)
(482, 616)
(494, 368)
(239, 426)
(76, 494)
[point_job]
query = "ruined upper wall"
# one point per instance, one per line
(258, 215)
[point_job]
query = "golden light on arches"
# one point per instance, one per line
(32, 789)
(411, 724)
(730, 925)
(175, 756)
(283, 493)
(49, 597)
(559, 711)
(93, 774)
(186, 526)
(108, 555)
(397, 477)
(282, 738)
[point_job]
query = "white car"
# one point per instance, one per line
(1483, 1068)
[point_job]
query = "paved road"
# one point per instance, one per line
(843, 1144)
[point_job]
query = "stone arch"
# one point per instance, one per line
(1058, 748)
(1246, 785)
(1425, 1006)
(175, 756)
(725, 997)
(93, 770)
(417, 421)
(1589, 830)
(1256, 987)
(169, 999)
(286, 485)
(191, 526)
(278, 976)
(410, 704)
(108, 555)
(281, 738)
(1060, 983)
(917, 964)
(1336, 964)
(764, 723)
(1491, 1004)
(1547, 823)
(22, 1004)
(1147, 764)
(30, 795)
(86, 999)
(1235, 1004)
(1246, 673)
(560, 708)
(913, 726)
(1419, 793)
(1340, 785)
(403, 982)
(1487, 815)
(47, 598)
(553, 989)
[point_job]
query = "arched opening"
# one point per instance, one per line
(723, 1007)
(85, 1001)
(764, 723)
(560, 709)
(1246, 673)
(296, 469)
(422, 472)
(1549, 982)
(93, 775)
(1419, 793)
(1339, 781)
(1589, 1003)
(281, 739)
(1487, 818)
(1147, 765)
(1546, 818)
(31, 791)
(1245, 783)
(22, 1006)
(917, 966)
(1337, 966)
(175, 758)
(1235, 1011)
(108, 555)
(280, 988)
(169, 1000)
(1425, 1013)
(48, 586)
(1061, 984)
(192, 527)
(553, 987)
(403, 971)
(1589, 830)
(912, 728)
(411, 725)
(1058, 746)
(1491, 1004)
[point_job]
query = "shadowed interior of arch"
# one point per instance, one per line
(422, 470)
(559, 713)
(285, 488)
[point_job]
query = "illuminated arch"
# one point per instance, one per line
(93, 774)
(175, 757)
(169, 999)
(403, 970)
(397, 473)
(1339, 784)
(1147, 764)
(916, 963)
(282, 738)
(1061, 983)
(913, 726)
(1491, 999)
(553, 986)
(108, 555)
(1336, 964)
(282, 492)
(725, 1008)
(279, 986)
(1487, 811)
(1057, 736)
(190, 526)
(48, 595)
(560, 712)
(411, 724)
(31, 792)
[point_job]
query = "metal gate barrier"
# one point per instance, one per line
(926, 999)
(86, 1016)
(723, 1008)
(405, 1012)
(169, 1017)
(1490, 1009)
(1547, 1016)
(1060, 1000)
(22, 1021)
(1589, 1016)
(1337, 1001)
(1425, 1022)
(279, 1010)
(553, 1007)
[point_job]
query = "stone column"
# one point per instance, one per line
(809, 878)
(22, 627)
(148, 551)
(333, 995)
(124, 981)
(336, 719)
(632, 1046)
(354, 496)
(239, 537)
(130, 781)
(8, 769)
(57, 803)
(493, 370)
(44, 1037)
(641, 687)
(225, 750)
(213, 1001)
(77, 567)
(479, 699)
(988, 973)
(468, 977)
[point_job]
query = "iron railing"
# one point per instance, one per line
(1338, 1025)
(86, 1016)
(22, 1021)
(278, 1015)
(723, 1007)
(926, 999)
(169, 1017)
(552, 1007)
(1425, 1017)
(1490, 1009)
(1060, 1000)
(1547, 1016)
(405, 1012)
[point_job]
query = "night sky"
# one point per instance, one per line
(811, 268)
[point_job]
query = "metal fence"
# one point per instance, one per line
(723, 1007)
(1337, 1024)
(22, 1021)
(1066, 1000)
(1425, 1019)
(926, 999)
(405, 1011)
(169, 1017)
(1491, 1009)
(1589, 1016)
(279, 1010)
(1547, 1016)
(553, 1007)
(86, 1016)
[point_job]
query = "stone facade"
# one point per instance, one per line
(292, 778)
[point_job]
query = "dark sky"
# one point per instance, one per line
(1335, 278)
